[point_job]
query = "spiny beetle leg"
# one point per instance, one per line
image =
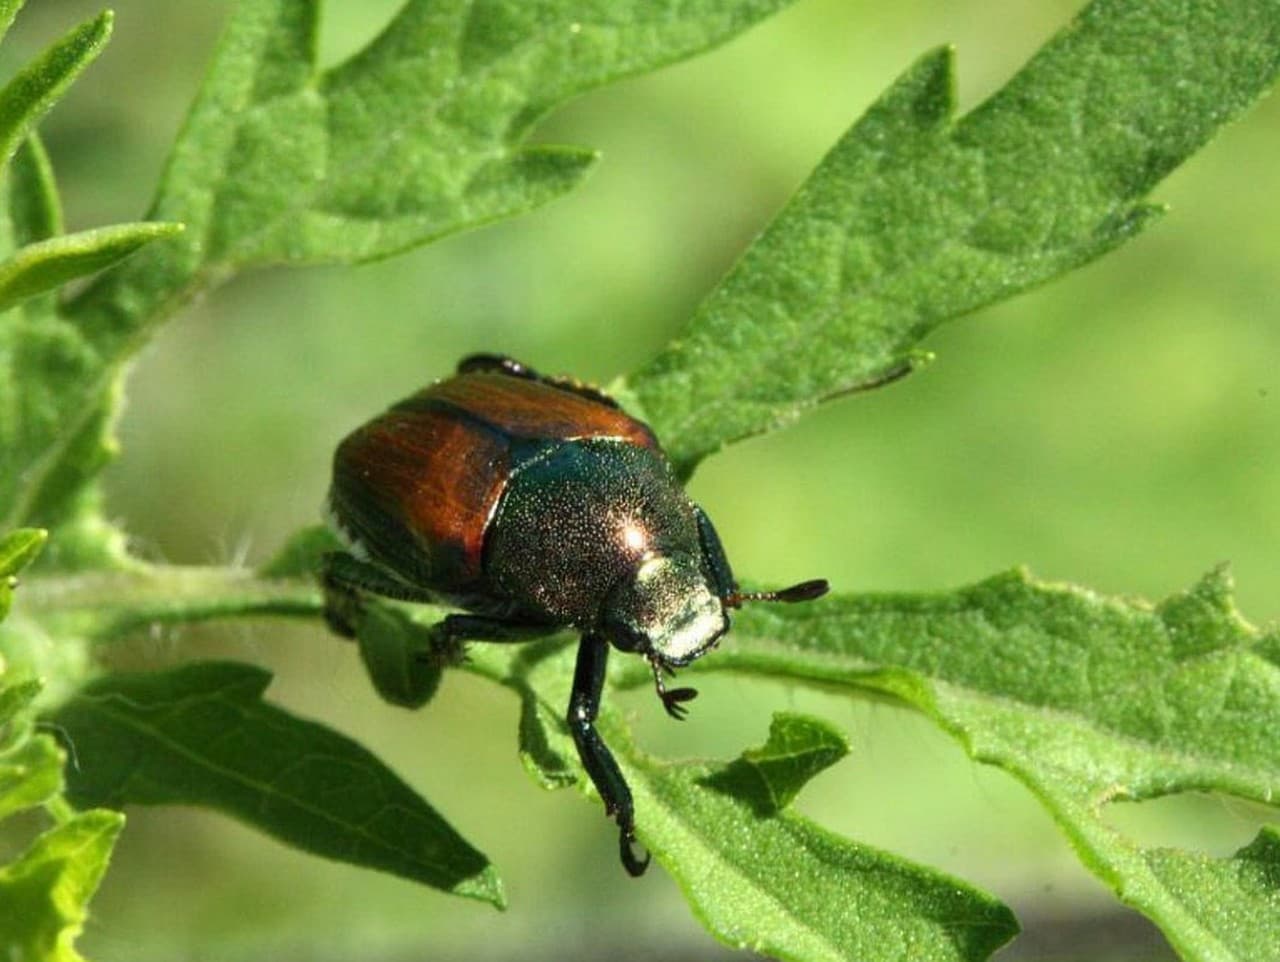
(584, 706)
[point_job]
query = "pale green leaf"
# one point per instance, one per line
(1086, 699)
(44, 894)
(759, 876)
(915, 218)
(47, 265)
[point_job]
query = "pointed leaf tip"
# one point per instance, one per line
(770, 777)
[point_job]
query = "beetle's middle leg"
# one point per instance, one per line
(345, 580)
(584, 705)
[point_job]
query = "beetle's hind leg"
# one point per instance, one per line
(501, 364)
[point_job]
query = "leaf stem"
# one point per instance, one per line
(105, 606)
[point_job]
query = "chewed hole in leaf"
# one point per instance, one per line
(1211, 823)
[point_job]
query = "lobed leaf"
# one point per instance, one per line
(779, 885)
(1086, 700)
(201, 734)
(44, 894)
(758, 875)
(915, 218)
(418, 135)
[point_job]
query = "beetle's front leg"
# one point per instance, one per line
(584, 705)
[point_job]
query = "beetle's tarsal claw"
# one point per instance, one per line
(671, 701)
(634, 865)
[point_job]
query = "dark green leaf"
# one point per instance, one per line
(44, 894)
(393, 649)
(914, 218)
(1086, 700)
(201, 735)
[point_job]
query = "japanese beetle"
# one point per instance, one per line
(535, 504)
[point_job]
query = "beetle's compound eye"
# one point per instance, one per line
(665, 609)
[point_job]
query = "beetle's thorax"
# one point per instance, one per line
(578, 519)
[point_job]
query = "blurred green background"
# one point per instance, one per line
(1119, 428)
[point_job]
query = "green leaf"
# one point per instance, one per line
(200, 734)
(54, 434)
(781, 886)
(8, 10)
(915, 218)
(44, 894)
(30, 774)
(17, 550)
(758, 876)
(416, 136)
(26, 98)
(1086, 700)
(47, 265)
(392, 646)
(770, 777)
(301, 555)
(34, 211)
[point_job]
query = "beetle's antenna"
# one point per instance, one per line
(804, 591)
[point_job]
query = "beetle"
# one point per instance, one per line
(535, 504)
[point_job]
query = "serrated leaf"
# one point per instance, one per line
(915, 218)
(26, 98)
(47, 265)
(44, 894)
(1085, 699)
(759, 877)
(200, 734)
(416, 136)
(782, 886)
